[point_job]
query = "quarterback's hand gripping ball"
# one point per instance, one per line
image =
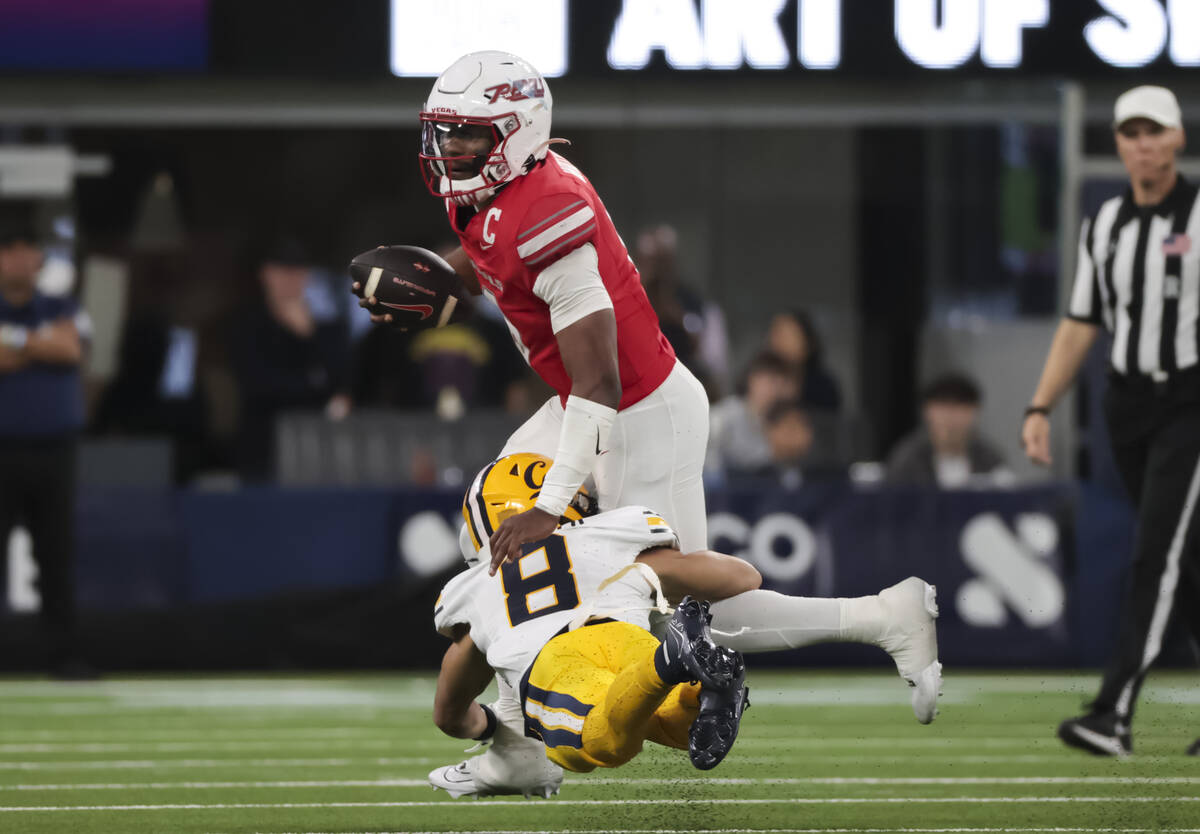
(408, 286)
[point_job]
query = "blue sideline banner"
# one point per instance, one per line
(1025, 577)
(998, 558)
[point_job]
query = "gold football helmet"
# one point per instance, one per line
(509, 486)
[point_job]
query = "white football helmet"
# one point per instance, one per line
(496, 91)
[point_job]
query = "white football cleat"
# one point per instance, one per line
(513, 765)
(911, 639)
(477, 776)
(456, 780)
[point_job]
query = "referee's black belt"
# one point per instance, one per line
(1176, 382)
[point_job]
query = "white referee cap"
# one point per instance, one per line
(1157, 104)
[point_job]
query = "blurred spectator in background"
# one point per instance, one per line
(791, 335)
(946, 450)
(790, 437)
(286, 355)
(469, 364)
(737, 440)
(41, 414)
(157, 389)
(694, 327)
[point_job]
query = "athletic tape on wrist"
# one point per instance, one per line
(584, 437)
(490, 730)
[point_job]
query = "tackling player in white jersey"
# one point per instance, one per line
(900, 619)
(567, 625)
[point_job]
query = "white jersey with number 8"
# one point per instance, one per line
(567, 576)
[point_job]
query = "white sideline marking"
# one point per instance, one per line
(137, 735)
(152, 786)
(899, 780)
(888, 800)
(52, 741)
(351, 761)
(583, 782)
(373, 741)
(181, 746)
(262, 710)
(102, 764)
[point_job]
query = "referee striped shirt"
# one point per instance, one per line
(1139, 277)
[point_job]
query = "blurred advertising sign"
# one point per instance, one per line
(867, 39)
(428, 37)
(115, 35)
(1001, 559)
(859, 37)
(928, 34)
(1027, 576)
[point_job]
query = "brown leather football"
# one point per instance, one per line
(416, 286)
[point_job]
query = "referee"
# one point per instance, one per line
(41, 413)
(1139, 278)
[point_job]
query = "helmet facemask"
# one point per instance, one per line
(488, 170)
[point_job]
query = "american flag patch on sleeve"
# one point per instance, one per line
(1177, 244)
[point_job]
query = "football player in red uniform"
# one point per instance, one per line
(537, 239)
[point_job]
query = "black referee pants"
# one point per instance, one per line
(1156, 443)
(37, 491)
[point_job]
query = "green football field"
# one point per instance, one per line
(818, 752)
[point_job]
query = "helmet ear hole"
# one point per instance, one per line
(506, 512)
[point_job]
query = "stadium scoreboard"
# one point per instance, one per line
(870, 40)
(861, 37)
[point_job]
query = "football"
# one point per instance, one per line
(417, 287)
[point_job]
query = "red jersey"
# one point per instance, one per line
(531, 223)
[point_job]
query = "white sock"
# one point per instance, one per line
(766, 621)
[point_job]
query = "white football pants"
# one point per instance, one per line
(655, 454)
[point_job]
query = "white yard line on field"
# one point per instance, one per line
(586, 781)
(179, 746)
(373, 741)
(860, 758)
(103, 764)
(905, 780)
(486, 803)
(186, 733)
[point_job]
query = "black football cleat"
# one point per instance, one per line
(1194, 750)
(716, 727)
(1099, 733)
(688, 652)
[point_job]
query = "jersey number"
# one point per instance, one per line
(540, 582)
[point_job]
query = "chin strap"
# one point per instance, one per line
(476, 188)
